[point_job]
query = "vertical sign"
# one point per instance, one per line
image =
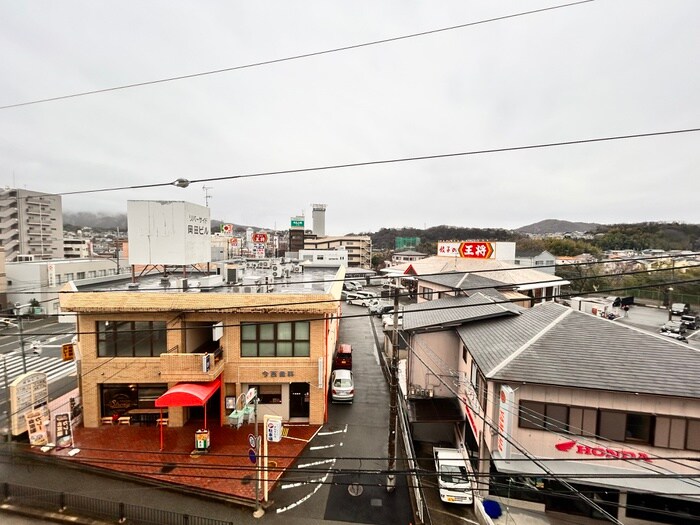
(63, 433)
(273, 428)
(505, 420)
(28, 392)
(206, 363)
(35, 428)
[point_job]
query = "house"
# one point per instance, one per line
(549, 393)
(406, 256)
(542, 260)
(141, 340)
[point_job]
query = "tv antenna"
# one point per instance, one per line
(206, 194)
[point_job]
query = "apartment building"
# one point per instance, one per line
(31, 225)
(140, 340)
(359, 247)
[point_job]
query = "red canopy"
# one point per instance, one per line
(188, 394)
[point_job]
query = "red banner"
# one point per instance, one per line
(260, 238)
(476, 250)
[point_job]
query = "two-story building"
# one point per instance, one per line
(552, 399)
(140, 341)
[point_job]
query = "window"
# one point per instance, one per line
(268, 394)
(621, 426)
(80, 275)
(289, 339)
(531, 415)
(693, 435)
(669, 432)
(479, 383)
(131, 338)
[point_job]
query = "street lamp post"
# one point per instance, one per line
(18, 315)
(670, 303)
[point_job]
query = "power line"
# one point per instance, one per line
(290, 58)
(185, 182)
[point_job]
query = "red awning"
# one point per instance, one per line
(188, 394)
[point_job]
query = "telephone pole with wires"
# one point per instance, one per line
(206, 194)
(393, 394)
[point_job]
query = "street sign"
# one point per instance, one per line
(251, 440)
(67, 352)
(252, 457)
(250, 395)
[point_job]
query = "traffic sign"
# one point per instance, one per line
(251, 440)
(252, 457)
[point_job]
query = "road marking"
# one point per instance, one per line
(323, 462)
(330, 433)
(302, 500)
(321, 447)
(466, 520)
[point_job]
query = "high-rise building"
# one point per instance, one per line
(31, 225)
(319, 219)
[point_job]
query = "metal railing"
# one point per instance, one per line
(113, 511)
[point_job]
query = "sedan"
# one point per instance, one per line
(342, 386)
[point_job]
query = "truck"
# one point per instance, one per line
(455, 476)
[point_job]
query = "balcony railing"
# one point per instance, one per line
(191, 367)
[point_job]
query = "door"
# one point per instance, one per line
(299, 400)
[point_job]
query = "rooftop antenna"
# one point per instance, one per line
(206, 194)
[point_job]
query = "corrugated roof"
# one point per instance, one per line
(454, 310)
(463, 281)
(553, 345)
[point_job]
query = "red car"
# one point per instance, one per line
(343, 357)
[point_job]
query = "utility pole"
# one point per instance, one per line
(206, 194)
(393, 395)
(18, 314)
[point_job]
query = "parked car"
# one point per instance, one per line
(689, 321)
(380, 308)
(7, 322)
(388, 319)
(343, 357)
(342, 386)
(677, 337)
(680, 309)
(675, 327)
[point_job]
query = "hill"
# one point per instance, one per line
(557, 226)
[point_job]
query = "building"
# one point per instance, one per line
(542, 260)
(140, 340)
(359, 248)
(406, 256)
(457, 284)
(420, 275)
(31, 224)
(323, 257)
(549, 393)
(42, 280)
(77, 248)
(296, 235)
(319, 219)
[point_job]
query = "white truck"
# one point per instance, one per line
(454, 474)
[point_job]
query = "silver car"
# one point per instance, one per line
(342, 386)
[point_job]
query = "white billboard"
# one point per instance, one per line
(168, 232)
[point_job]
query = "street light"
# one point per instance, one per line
(18, 315)
(670, 302)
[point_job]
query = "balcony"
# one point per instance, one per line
(175, 367)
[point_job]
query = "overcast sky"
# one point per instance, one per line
(604, 68)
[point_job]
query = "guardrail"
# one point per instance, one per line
(85, 506)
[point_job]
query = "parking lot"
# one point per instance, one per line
(651, 319)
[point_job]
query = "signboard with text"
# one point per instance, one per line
(467, 249)
(297, 223)
(28, 393)
(505, 420)
(259, 237)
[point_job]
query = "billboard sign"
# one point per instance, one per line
(297, 223)
(63, 433)
(467, 249)
(227, 229)
(505, 420)
(38, 436)
(28, 393)
(168, 232)
(259, 238)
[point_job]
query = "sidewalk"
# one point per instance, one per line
(225, 472)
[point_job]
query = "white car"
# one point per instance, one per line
(342, 386)
(7, 322)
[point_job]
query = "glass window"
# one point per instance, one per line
(268, 394)
(287, 339)
(638, 427)
(556, 418)
(131, 338)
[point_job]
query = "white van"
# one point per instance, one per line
(455, 476)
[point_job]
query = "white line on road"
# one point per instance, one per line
(321, 447)
(334, 432)
(466, 520)
(302, 500)
(305, 465)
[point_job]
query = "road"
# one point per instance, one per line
(651, 319)
(44, 334)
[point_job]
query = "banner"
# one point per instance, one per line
(63, 434)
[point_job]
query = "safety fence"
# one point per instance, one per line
(110, 511)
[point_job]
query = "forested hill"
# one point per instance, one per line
(557, 226)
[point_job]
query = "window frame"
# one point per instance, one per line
(113, 342)
(295, 342)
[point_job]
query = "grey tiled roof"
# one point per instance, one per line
(455, 310)
(463, 281)
(552, 344)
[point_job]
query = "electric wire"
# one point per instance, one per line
(290, 58)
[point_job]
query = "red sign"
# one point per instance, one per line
(260, 238)
(601, 452)
(476, 250)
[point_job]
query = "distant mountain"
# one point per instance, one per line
(557, 226)
(97, 221)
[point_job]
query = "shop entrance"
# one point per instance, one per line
(299, 400)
